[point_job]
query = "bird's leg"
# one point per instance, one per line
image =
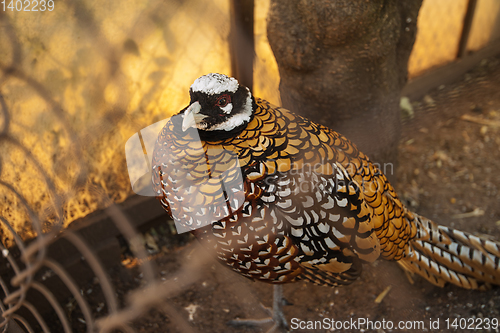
(277, 311)
(276, 315)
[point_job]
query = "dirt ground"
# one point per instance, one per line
(448, 171)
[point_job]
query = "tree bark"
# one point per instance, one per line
(344, 63)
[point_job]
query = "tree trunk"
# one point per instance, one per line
(343, 64)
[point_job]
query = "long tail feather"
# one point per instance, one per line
(441, 254)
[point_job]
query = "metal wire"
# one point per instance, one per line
(41, 183)
(39, 193)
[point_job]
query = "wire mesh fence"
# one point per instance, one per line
(441, 25)
(75, 83)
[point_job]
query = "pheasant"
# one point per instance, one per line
(279, 198)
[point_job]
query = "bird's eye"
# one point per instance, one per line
(223, 100)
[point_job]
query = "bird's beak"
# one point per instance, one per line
(192, 116)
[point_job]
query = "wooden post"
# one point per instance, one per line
(241, 41)
(468, 19)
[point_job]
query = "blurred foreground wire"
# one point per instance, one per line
(75, 83)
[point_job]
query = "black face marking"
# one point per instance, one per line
(212, 107)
